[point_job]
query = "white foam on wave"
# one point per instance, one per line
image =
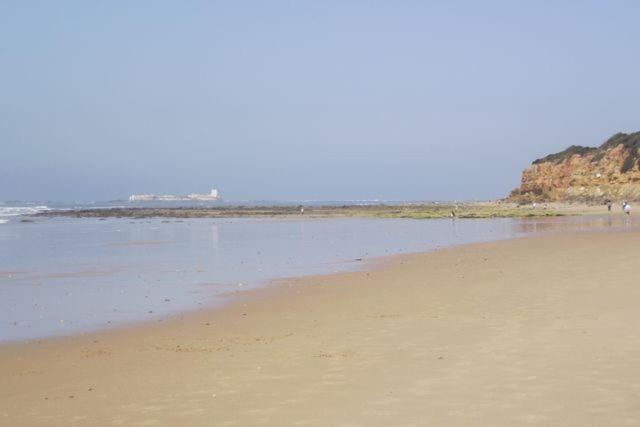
(4, 221)
(21, 210)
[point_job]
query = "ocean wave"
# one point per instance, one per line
(20, 210)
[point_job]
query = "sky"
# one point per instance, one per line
(299, 100)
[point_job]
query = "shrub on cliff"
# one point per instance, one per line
(563, 155)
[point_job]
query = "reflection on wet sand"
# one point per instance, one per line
(573, 223)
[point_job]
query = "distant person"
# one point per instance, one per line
(627, 208)
(453, 214)
(609, 204)
(534, 205)
(301, 210)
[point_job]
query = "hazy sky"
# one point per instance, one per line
(305, 99)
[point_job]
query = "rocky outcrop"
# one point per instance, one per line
(585, 174)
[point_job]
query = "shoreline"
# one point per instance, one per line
(260, 289)
(355, 264)
(338, 324)
(269, 288)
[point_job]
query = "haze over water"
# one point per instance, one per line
(305, 100)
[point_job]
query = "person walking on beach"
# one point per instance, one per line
(609, 204)
(627, 208)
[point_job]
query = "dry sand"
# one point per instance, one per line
(531, 331)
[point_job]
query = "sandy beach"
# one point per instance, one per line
(537, 330)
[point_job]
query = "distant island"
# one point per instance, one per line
(585, 174)
(213, 195)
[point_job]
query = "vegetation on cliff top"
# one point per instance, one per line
(629, 141)
(565, 154)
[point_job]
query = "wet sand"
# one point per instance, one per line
(542, 330)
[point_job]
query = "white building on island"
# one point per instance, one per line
(211, 196)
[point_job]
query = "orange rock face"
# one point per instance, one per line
(585, 174)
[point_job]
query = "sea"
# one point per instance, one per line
(62, 275)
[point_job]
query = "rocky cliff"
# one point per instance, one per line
(586, 174)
